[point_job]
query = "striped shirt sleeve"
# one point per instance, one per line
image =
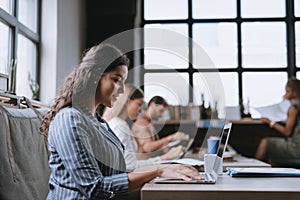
(68, 131)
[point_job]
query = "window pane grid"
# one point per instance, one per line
(251, 48)
(21, 40)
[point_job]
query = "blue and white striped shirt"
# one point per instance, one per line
(86, 158)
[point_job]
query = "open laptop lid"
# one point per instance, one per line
(224, 139)
(219, 156)
(187, 148)
(221, 149)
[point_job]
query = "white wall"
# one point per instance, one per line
(62, 41)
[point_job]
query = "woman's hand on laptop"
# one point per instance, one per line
(172, 153)
(178, 171)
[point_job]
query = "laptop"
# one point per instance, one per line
(211, 177)
(187, 148)
(182, 160)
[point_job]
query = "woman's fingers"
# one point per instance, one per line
(187, 174)
(184, 172)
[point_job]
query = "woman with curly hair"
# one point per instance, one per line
(86, 157)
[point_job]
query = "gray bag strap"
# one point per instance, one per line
(11, 157)
(28, 103)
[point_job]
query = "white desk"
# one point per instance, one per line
(227, 188)
(237, 161)
(241, 161)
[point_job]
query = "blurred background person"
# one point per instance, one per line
(119, 118)
(275, 149)
(146, 135)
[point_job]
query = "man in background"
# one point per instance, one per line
(146, 135)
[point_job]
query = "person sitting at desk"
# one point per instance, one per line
(146, 134)
(86, 157)
(119, 117)
(274, 149)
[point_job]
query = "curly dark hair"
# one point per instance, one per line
(159, 101)
(81, 83)
(294, 84)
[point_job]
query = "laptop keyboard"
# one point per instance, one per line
(207, 176)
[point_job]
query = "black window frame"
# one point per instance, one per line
(289, 19)
(16, 27)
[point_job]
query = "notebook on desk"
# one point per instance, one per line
(208, 177)
(263, 172)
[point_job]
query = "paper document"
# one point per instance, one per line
(277, 112)
(263, 171)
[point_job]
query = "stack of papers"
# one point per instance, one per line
(263, 172)
(277, 112)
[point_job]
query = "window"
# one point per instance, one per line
(297, 30)
(4, 50)
(264, 45)
(174, 88)
(26, 58)
(262, 8)
(156, 9)
(219, 40)
(214, 89)
(252, 46)
(259, 87)
(164, 56)
(19, 41)
(28, 13)
(6, 5)
(297, 8)
(207, 9)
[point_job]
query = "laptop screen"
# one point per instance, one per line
(222, 146)
(223, 141)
